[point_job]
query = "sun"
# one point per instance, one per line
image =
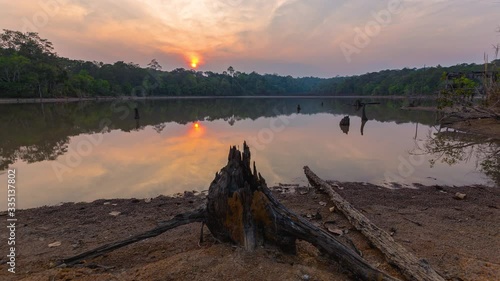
(195, 62)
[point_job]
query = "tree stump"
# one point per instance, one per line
(242, 210)
(238, 209)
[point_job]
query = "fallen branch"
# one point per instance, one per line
(465, 113)
(412, 221)
(178, 220)
(410, 266)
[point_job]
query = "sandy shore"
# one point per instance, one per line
(459, 238)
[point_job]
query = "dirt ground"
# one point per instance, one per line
(458, 238)
(488, 127)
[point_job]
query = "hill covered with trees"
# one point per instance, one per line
(29, 67)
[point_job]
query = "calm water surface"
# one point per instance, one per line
(91, 150)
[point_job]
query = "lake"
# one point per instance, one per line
(82, 151)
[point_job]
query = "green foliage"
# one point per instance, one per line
(423, 81)
(27, 44)
(29, 67)
(459, 91)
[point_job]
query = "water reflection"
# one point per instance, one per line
(363, 123)
(453, 147)
(345, 122)
(38, 132)
(163, 151)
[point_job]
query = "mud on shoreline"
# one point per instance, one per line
(459, 238)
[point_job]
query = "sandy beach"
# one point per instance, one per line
(458, 238)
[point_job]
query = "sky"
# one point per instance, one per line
(322, 38)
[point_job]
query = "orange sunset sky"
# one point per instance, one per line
(289, 37)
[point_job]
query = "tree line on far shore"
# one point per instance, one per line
(29, 67)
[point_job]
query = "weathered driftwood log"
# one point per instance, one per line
(178, 220)
(241, 209)
(410, 266)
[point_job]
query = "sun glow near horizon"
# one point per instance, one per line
(194, 62)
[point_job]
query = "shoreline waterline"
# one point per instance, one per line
(103, 98)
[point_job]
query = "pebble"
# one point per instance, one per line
(460, 196)
(55, 244)
(337, 231)
(115, 213)
(330, 226)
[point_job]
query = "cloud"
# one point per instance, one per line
(300, 37)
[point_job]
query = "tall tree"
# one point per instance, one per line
(154, 65)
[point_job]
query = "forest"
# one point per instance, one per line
(30, 68)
